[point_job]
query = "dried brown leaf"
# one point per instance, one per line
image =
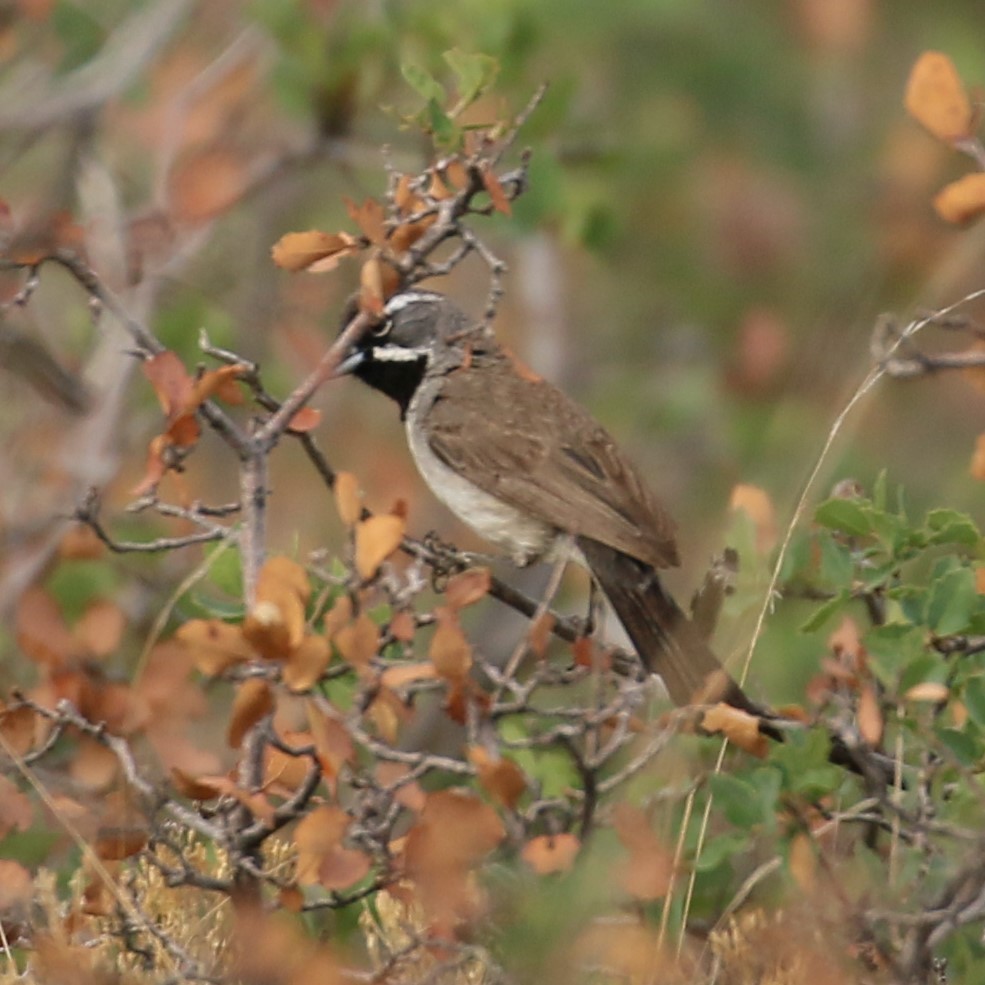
(936, 97)
(467, 587)
(450, 651)
(739, 727)
(377, 537)
(314, 251)
(962, 200)
(252, 702)
(347, 498)
(546, 854)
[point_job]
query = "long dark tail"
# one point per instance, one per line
(667, 641)
(670, 645)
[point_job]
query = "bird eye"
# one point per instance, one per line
(382, 329)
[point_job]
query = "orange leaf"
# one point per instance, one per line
(275, 625)
(306, 663)
(278, 572)
(408, 233)
(16, 888)
(195, 788)
(977, 467)
(496, 193)
(455, 172)
(41, 631)
(540, 634)
(210, 383)
(347, 499)
(341, 867)
(369, 217)
(15, 808)
(404, 197)
(283, 771)
(438, 190)
(116, 844)
(927, 691)
(758, 506)
(184, 430)
(408, 793)
(501, 778)
(936, 97)
(387, 711)
(449, 651)
(253, 701)
(101, 627)
(584, 652)
(333, 744)
(395, 677)
(551, 853)
(314, 251)
(306, 419)
(338, 616)
(376, 539)
(403, 625)
(467, 587)
(649, 870)
(870, 723)
(317, 834)
(739, 727)
(359, 641)
(205, 183)
(171, 382)
(963, 199)
(156, 467)
(214, 645)
(291, 899)
(802, 862)
(18, 728)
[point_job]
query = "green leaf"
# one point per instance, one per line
(951, 527)
(824, 612)
(837, 563)
(803, 757)
(79, 33)
(474, 73)
(926, 667)
(721, 848)
(736, 799)
(423, 82)
(892, 648)
(849, 516)
(879, 492)
(226, 570)
(974, 699)
(446, 135)
(551, 768)
(961, 745)
(952, 599)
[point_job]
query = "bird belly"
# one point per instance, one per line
(523, 537)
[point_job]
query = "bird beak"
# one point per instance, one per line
(350, 362)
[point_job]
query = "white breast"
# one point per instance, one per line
(523, 537)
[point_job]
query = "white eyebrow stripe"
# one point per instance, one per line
(400, 301)
(397, 354)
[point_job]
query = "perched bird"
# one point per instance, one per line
(535, 474)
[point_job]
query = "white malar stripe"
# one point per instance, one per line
(397, 354)
(400, 301)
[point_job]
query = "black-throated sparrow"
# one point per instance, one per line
(534, 473)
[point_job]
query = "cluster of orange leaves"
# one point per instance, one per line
(319, 252)
(937, 98)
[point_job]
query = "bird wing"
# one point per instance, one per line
(521, 439)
